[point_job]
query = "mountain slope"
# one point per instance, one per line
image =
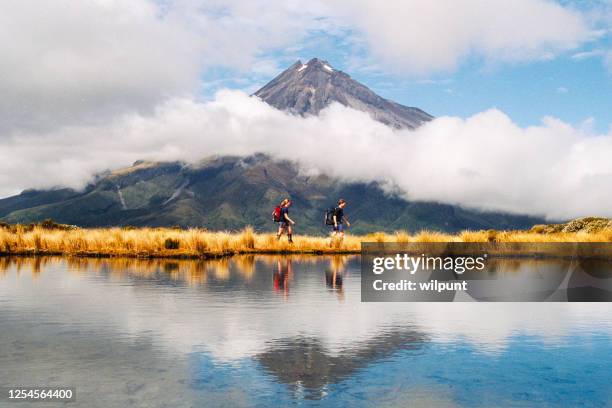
(306, 89)
(232, 192)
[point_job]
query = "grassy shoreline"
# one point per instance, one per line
(202, 244)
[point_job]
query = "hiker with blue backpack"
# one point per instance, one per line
(335, 217)
(281, 215)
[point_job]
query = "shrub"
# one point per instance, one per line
(172, 243)
(247, 238)
(402, 237)
(539, 229)
(48, 224)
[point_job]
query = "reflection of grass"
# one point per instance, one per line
(167, 242)
(193, 272)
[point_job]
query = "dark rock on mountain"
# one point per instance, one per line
(306, 89)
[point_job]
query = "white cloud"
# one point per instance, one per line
(423, 36)
(62, 60)
(562, 90)
(443, 81)
(485, 161)
(579, 56)
(69, 62)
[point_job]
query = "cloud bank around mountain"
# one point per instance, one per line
(485, 161)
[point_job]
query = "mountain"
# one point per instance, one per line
(232, 192)
(306, 89)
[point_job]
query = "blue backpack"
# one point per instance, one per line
(329, 215)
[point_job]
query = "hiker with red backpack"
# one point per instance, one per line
(281, 215)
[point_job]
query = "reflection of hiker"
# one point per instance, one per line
(334, 276)
(281, 276)
(338, 219)
(281, 215)
(333, 279)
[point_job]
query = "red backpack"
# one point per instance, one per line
(276, 215)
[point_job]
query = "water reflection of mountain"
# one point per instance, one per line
(305, 363)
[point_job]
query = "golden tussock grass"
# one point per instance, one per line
(198, 243)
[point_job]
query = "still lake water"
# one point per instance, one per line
(269, 331)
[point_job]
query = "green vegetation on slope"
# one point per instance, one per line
(228, 193)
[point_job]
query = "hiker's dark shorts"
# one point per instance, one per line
(284, 224)
(339, 228)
